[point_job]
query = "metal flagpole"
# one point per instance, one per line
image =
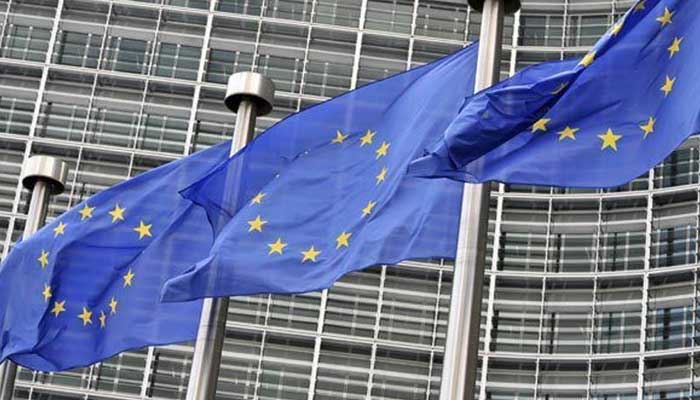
(249, 95)
(462, 346)
(44, 176)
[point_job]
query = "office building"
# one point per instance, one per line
(588, 294)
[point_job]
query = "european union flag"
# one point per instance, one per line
(87, 285)
(326, 191)
(596, 122)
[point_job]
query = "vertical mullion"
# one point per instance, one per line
(149, 70)
(6, 22)
(645, 287)
(436, 320)
(493, 275)
(514, 45)
(317, 344)
(258, 35)
(262, 346)
(147, 372)
(305, 62)
(375, 336)
(201, 69)
(411, 38)
(358, 45)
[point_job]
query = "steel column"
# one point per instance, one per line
(462, 346)
(249, 95)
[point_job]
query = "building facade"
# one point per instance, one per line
(588, 294)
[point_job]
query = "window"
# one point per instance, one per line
(27, 43)
(127, 55)
(78, 49)
(177, 61)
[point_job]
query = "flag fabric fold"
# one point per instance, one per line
(87, 285)
(597, 122)
(326, 191)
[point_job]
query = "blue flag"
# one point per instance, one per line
(325, 192)
(87, 286)
(596, 122)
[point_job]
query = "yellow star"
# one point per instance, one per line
(276, 247)
(569, 133)
(343, 240)
(258, 198)
(128, 278)
(143, 230)
(60, 229)
(103, 319)
(382, 175)
(368, 209)
(382, 150)
(367, 138)
(47, 293)
(560, 88)
(43, 259)
(339, 137)
(86, 212)
(588, 59)
(609, 140)
(310, 254)
(540, 125)
(117, 214)
(666, 18)
(648, 128)
(640, 6)
(58, 308)
(86, 316)
(113, 306)
(256, 224)
(667, 88)
(617, 28)
(675, 46)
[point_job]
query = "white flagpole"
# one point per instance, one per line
(462, 346)
(44, 176)
(249, 95)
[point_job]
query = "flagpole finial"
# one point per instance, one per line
(250, 86)
(47, 169)
(510, 6)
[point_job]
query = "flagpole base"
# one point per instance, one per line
(509, 6)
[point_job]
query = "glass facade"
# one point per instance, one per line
(588, 294)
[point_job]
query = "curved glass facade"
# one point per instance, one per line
(588, 294)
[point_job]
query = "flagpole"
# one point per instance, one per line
(44, 176)
(462, 346)
(249, 95)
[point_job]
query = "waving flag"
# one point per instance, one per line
(336, 198)
(87, 286)
(596, 122)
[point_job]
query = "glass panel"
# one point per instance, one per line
(24, 42)
(670, 313)
(389, 15)
(343, 371)
(329, 66)
(299, 10)
(177, 61)
(78, 49)
(441, 19)
(338, 12)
